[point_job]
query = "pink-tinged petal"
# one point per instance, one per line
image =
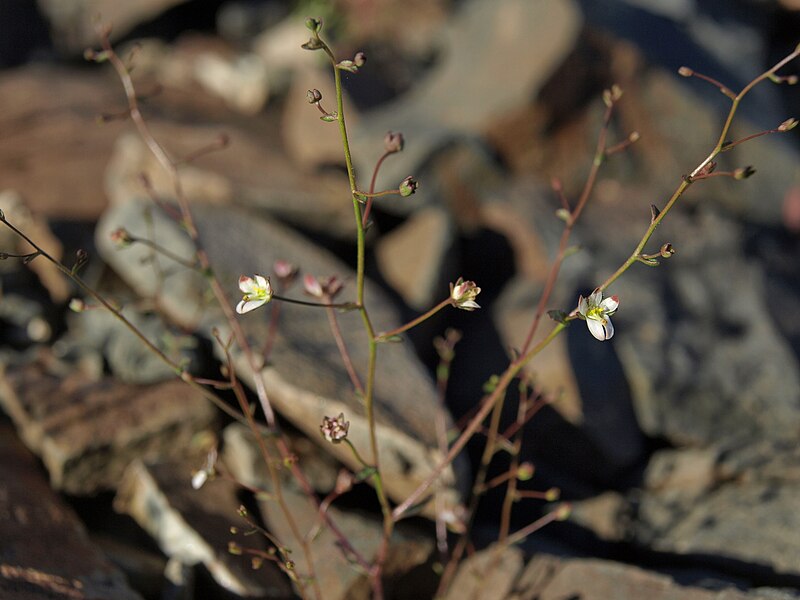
(610, 305)
(247, 284)
(596, 329)
(312, 286)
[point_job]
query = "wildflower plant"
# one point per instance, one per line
(256, 292)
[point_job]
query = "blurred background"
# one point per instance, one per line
(676, 441)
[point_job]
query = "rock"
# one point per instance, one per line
(242, 82)
(487, 575)
(607, 515)
(311, 142)
(193, 526)
(98, 334)
(414, 257)
(733, 507)
(305, 379)
(549, 578)
(450, 107)
(33, 522)
(54, 152)
(700, 350)
(86, 432)
(334, 569)
(73, 24)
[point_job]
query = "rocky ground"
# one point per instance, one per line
(676, 442)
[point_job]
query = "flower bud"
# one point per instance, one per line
(788, 125)
(408, 186)
(744, 172)
(121, 238)
(525, 471)
(685, 72)
(393, 141)
(314, 96)
(77, 305)
(313, 25)
(360, 59)
(666, 250)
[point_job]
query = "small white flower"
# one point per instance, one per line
(463, 293)
(199, 479)
(257, 292)
(596, 311)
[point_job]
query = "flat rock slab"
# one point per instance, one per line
(305, 377)
(193, 526)
(45, 551)
(550, 578)
(87, 432)
(334, 570)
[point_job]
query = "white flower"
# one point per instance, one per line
(597, 311)
(463, 293)
(257, 292)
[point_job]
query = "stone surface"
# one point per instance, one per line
(487, 575)
(33, 523)
(449, 106)
(304, 378)
(549, 578)
(193, 526)
(334, 569)
(86, 432)
(416, 257)
(73, 23)
(736, 504)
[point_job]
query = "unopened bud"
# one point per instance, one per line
(234, 548)
(610, 96)
(667, 250)
(77, 305)
(360, 59)
(563, 511)
(552, 494)
(348, 65)
(744, 172)
(314, 96)
(393, 141)
(313, 24)
(788, 125)
(121, 238)
(634, 137)
(685, 72)
(525, 471)
(408, 186)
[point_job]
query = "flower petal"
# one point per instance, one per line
(610, 304)
(246, 305)
(597, 329)
(609, 327)
(263, 283)
(595, 298)
(583, 306)
(247, 284)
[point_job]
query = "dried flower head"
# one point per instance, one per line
(408, 186)
(334, 429)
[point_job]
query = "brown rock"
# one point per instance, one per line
(86, 432)
(46, 553)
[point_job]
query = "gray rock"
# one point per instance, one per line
(702, 355)
(73, 23)
(46, 551)
(487, 575)
(305, 378)
(451, 106)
